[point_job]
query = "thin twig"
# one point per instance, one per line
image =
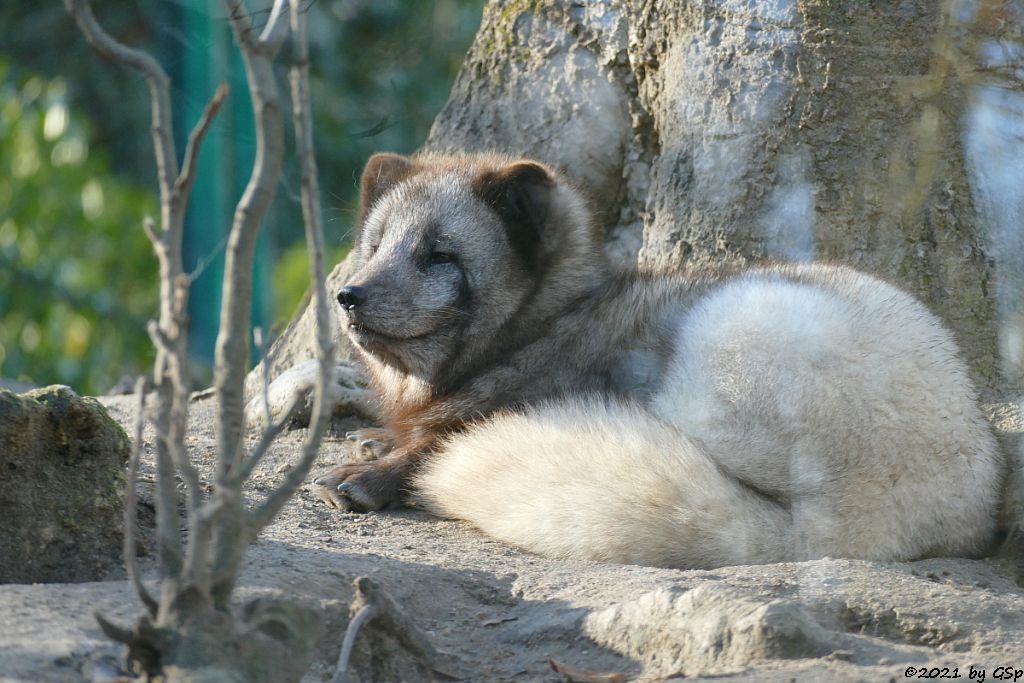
(393, 619)
(170, 432)
(160, 340)
(303, 123)
(114, 631)
(267, 437)
(232, 347)
(264, 374)
(186, 179)
(131, 500)
(150, 229)
(276, 28)
(371, 601)
(205, 261)
(365, 613)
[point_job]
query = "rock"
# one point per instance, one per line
(709, 629)
(873, 619)
(61, 491)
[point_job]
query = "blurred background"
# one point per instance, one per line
(78, 280)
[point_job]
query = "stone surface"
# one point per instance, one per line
(61, 487)
(709, 629)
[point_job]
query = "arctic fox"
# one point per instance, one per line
(777, 414)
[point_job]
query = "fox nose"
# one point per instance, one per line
(351, 296)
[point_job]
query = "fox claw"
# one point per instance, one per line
(371, 443)
(361, 487)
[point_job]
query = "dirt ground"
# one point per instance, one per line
(499, 614)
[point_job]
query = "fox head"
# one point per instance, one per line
(456, 255)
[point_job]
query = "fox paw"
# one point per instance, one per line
(361, 486)
(290, 396)
(370, 443)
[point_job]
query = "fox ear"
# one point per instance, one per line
(383, 171)
(521, 195)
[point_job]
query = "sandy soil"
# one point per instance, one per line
(501, 614)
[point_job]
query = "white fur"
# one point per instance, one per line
(805, 412)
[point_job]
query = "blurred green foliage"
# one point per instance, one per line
(78, 275)
(381, 71)
(77, 279)
(291, 277)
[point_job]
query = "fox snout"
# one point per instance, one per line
(351, 296)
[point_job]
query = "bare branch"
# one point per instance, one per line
(267, 437)
(205, 261)
(169, 340)
(238, 15)
(187, 177)
(160, 339)
(172, 418)
(177, 361)
(206, 574)
(201, 531)
(276, 29)
(365, 613)
(168, 532)
(154, 239)
(232, 349)
(131, 501)
(113, 631)
(372, 602)
(302, 118)
(167, 524)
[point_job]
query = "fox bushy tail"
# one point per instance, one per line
(597, 479)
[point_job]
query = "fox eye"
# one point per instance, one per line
(439, 257)
(373, 249)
